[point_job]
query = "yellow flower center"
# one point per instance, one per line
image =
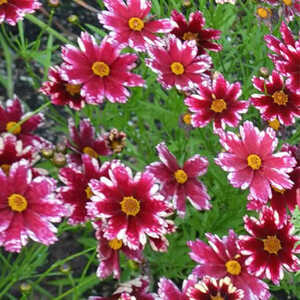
(13, 127)
(233, 267)
(218, 105)
(115, 244)
(90, 151)
(187, 118)
(278, 190)
(288, 2)
(136, 24)
(190, 36)
(218, 297)
(100, 68)
(88, 192)
(254, 161)
(73, 89)
(280, 98)
(180, 176)
(177, 68)
(17, 202)
(3, 2)
(272, 244)
(130, 206)
(263, 12)
(5, 168)
(274, 124)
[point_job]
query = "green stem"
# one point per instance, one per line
(45, 27)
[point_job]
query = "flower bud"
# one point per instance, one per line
(59, 159)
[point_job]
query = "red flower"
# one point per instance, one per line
(28, 208)
(12, 150)
(77, 193)
(251, 163)
(61, 92)
(193, 30)
(101, 70)
(181, 182)
(223, 258)
(169, 291)
(83, 141)
(131, 24)
(277, 101)
(13, 114)
(177, 63)
(12, 11)
(217, 102)
(270, 246)
(210, 288)
(132, 207)
(136, 289)
(287, 57)
(290, 7)
(108, 253)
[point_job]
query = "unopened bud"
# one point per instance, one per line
(59, 159)
(73, 19)
(264, 71)
(47, 152)
(65, 268)
(53, 3)
(61, 147)
(186, 3)
(25, 287)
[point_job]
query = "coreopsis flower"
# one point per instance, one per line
(177, 63)
(101, 70)
(130, 22)
(28, 208)
(84, 141)
(180, 182)
(250, 161)
(76, 192)
(108, 253)
(131, 206)
(61, 92)
(194, 30)
(223, 258)
(12, 115)
(12, 150)
(136, 289)
(169, 291)
(291, 8)
(217, 102)
(12, 11)
(277, 101)
(287, 55)
(270, 246)
(210, 288)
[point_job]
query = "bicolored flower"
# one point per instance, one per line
(13, 114)
(108, 253)
(136, 289)
(291, 8)
(277, 101)
(270, 246)
(12, 11)
(210, 288)
(131, 206)
(177, 63)
(169, 291)
(194, 30)
(28, 208)
(250, 161)
(76, 191)
(179, 182)
(287, 55)
(223, 258)
(84, 141)
(130, 22)
(12, 150)
(61, 92)
(217, 102)
(101, 70)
